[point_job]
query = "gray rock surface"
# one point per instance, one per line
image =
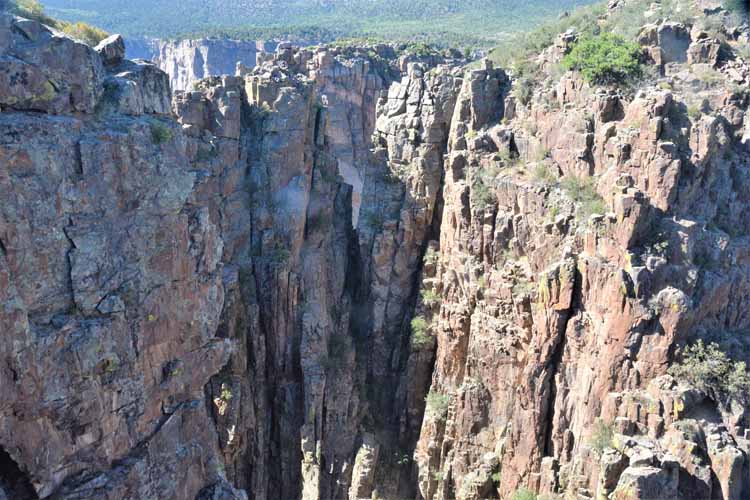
(112, 50)
(42, 70)
(187, 61)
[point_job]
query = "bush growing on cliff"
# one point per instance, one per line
(32, 9)
(524, 494)
(437, 405)
(582, 191)
(544, 174)
(91, 35)
(482, 196)
(420, 334)
(711, 370)
(430, 297)
(160, 133)
(526, 78)
(601, 438)
(522, 47)
(431, 257)
(605, 59)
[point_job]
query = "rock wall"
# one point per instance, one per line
(187, 61)
(556, 319)
(189, 311)
(250, 288)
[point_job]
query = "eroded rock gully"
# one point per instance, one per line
(209, 294)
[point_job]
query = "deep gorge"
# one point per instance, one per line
(355, 272)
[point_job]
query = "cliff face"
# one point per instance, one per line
(185, 299)
(551, 317)
(187, 61)
(250, 288)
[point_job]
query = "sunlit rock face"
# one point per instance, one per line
(356, 273)
(188, 307)
(187, 61)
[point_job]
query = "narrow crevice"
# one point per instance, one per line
(14, 483)
(555, 363)
(78, 159)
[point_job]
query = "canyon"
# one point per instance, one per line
(355, 272)
(187, 61)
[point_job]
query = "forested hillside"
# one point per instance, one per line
(445, 21)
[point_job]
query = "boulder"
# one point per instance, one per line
(112, 50)
(646, 482)
(704, 51)
(44, 70)
(138, 87)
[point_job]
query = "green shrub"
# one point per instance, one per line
(160, 133)
(496, 476)
(420, 333)
(709, 369)
(431, 257)
(602, 436)
(437, 405)
(527, 75)
(226, 392)
(482, 196)
(526, 45)
(524, 494)
(420, 49)
(543, 174)
(605, 59)
(582, 191)
(91, 35)
(32, 9)
(429, 297)
(708, 76)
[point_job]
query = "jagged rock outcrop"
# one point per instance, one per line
(195, 287)
(557, 318)
(248, 289)
(44, 71)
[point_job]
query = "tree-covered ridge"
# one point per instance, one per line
(438, 21)
(32, 9)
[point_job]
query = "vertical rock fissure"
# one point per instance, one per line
(555, 362)
(14, 483)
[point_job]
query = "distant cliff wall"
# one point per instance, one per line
(187, 61)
